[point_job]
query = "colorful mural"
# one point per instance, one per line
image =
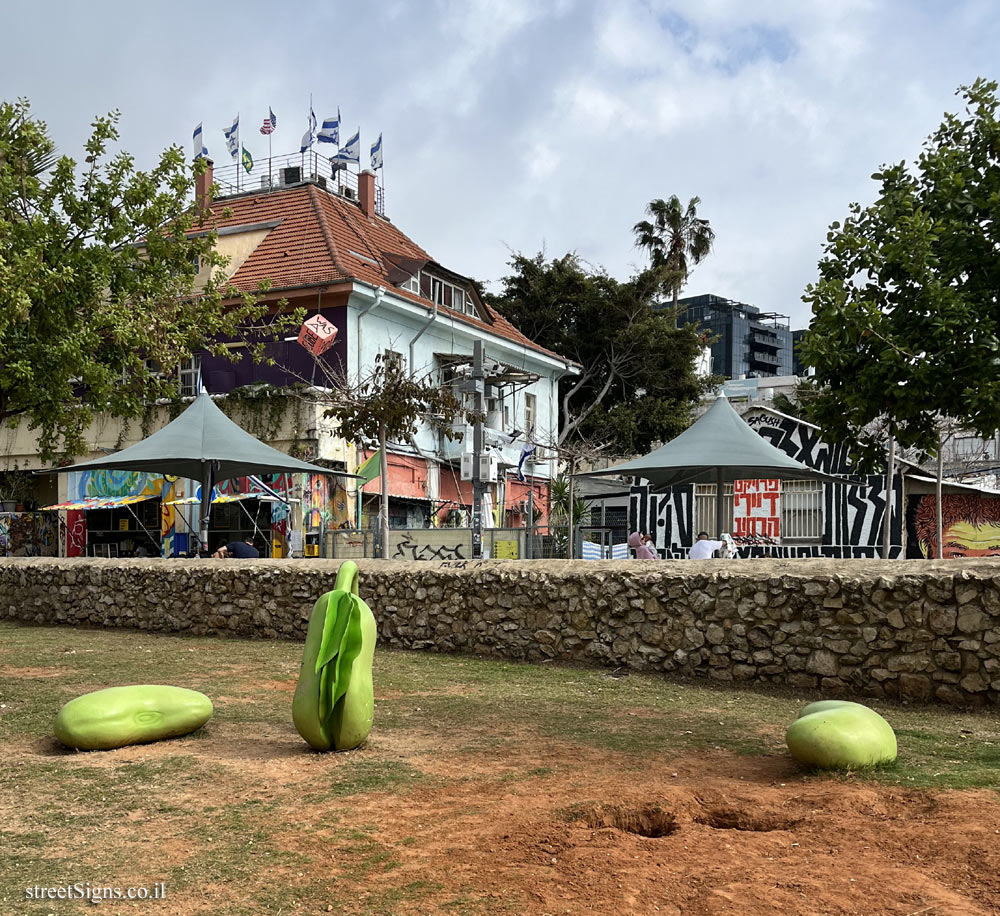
(970, 526)
(29, 534)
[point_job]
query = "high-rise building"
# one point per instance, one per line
(750, 344)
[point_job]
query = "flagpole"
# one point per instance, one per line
(270, 185)
(239, 157)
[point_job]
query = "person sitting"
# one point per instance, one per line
(704, 548)
(642, 544)
(241, 550)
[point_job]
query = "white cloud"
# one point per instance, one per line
(513, 123)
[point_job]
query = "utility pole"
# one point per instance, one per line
(890, 473)
(531, 508)
(478, 387)
(571, 540)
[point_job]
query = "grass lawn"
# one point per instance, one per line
(242, 818)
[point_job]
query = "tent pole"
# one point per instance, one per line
(720, 503)
(206, 503)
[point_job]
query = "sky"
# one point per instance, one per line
(524, 125)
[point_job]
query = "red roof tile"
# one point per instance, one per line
(323, 238)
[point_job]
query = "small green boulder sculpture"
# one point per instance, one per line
(334, 702)
(119, 716)
(839, 735)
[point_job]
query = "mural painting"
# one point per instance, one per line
(667, 517)
(29, 534)
(852, 515)
(970, 526)
(281, 515)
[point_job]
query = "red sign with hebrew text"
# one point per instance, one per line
(757, 511)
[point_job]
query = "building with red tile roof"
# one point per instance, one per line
(334, 252)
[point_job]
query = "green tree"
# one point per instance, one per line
(676, 238)
(98, 272)
(906, 310)
(636, 384)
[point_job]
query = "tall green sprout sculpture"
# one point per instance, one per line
(334, 700)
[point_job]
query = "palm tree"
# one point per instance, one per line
(676, 240)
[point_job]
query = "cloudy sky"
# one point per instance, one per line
(518, 125)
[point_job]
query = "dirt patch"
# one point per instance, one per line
(763, 841)
(521, 825)
(51, 671)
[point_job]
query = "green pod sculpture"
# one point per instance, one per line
(824, 705)
(334, 702)
(119, 716)
(841, 736)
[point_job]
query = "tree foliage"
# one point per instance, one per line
(98, 281)
(390, 405)
(676, 238)
(906, 310)
(636, 384)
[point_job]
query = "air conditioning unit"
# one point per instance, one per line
(318, 179)
(291, 174)
(348, 192)
(489, 467)
(267, 182)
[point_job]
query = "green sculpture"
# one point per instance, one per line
(334, 701)
(839, 735)
(119, 716)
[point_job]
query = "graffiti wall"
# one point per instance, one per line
(851, 515)
(29, 534)
(970, 526)
(667, 517)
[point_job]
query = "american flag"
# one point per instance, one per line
(270, 122)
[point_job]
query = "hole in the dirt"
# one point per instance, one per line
(735, 819)
(650, 820)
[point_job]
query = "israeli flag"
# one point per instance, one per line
(330, 131)
(309, 135)
(377, 153)
(351, 152)
(200, 150)
(526, 453)
(233, 138)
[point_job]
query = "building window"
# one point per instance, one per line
(801, 510)
(442, 292)
(704, 508)
(189, 376)
(393, 360)
(530, 410)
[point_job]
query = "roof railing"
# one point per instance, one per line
(288, 169)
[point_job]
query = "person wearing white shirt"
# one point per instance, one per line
(703, 548)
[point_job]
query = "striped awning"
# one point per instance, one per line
(98, 502)
(229, 498)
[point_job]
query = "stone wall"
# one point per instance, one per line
(918, 630)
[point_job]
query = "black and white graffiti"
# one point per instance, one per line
(852, 515)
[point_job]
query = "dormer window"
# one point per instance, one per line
(442, 292)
